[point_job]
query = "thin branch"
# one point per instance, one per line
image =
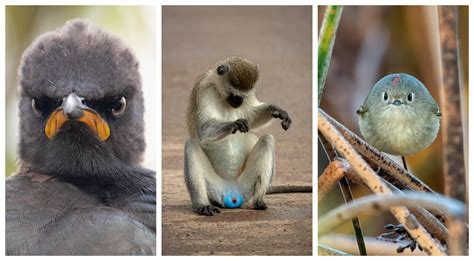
(451, 97)
(329, 251)
(375, 183)
(328, 147)
(331, 153)
(327, 36)
(347, 194)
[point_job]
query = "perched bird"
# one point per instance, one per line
(80, 189)
(399, 116)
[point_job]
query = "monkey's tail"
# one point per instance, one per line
(290, 189)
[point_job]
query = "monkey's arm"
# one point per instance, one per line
(263, 113)
(214, 130)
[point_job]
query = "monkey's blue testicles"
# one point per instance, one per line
(233, 199)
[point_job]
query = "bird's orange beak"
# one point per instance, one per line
(90, 118)
(82, 114)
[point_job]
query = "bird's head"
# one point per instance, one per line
(81, 107)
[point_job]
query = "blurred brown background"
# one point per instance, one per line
(279, 39)
(372, 42)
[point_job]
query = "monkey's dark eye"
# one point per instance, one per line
(119, 107)
(410, 97)
(385, 96)
(222, 69)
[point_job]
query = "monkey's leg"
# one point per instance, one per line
(196, 167)
(259, 170)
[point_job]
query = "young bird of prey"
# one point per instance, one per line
(80, 189)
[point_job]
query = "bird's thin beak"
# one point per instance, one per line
(72, 109)
(396, 102)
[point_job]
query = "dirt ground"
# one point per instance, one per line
(279, 40)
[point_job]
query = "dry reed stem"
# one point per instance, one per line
(451, 98)
(375, 247)
(396, 173)
(331, 176)
(373, 204)
(329, 251)
(346, 193)
(375, 183)
(388, 169)
(430, 222)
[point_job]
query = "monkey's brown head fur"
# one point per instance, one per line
(241, 73)
(236, 78)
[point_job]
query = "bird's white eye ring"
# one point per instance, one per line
(410, 97)
(119, 107)
(36, 111)
(384, 96)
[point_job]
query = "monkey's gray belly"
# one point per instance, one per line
(228, 155)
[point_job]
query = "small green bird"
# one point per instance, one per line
(399, 115)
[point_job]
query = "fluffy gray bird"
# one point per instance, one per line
(80, 189)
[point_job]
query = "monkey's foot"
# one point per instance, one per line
(259, 205)
(208, 210)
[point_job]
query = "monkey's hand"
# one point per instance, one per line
(282, 115)
(241, 125)
(207, 210)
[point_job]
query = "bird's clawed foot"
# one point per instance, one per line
(399, 235)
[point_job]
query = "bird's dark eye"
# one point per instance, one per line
(410, 97)
(222, 69)
(43, 106)
(37, 111)
(119, 107)
(385, 96)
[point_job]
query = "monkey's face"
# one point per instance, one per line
(81, 105)
(238, 77)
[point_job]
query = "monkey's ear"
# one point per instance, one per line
(222, 69)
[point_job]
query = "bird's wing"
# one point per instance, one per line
(56, 218)
(362, 109)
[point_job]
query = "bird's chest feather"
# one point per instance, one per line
(396, 130)
(398, 125)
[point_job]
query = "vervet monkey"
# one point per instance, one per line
(225, 165)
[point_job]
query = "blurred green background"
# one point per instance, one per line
(135, 25)
(374, 41)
